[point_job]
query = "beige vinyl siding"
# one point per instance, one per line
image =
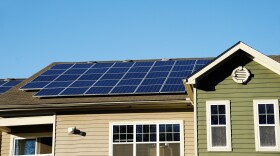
(5, 144)
(265, 84)
(96, 126)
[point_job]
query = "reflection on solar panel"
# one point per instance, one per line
(5, 85)
(83, 79)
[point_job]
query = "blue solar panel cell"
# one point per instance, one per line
(185, 62)
(106, 83)
(49, 92)
(11, 83)
(45, 78)
(157, 74)
(59, 84)
(123, 89)
(67, 77)
(118, 70)
(90, 77)
(62, 66)
(74, 91)
(143, 64)
(82, 83)
(97, 70)
(149, 89)
(197, 67)
(98, 90)
(183, 68)
(75, 71)
(173, 88)
(130, 82)
(123, 64)
(35, 85)
(164, 63)
(102, 65)
(139, 69)
(83, 65)
(202, 61)
(54, 72)
(112, 76)
(2, 82)
(178, 81)
(134, 75)
(182, 74)
(161, 68)
(4, 89)
(153, 81)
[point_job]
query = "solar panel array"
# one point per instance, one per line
(5, 85)
(82, 79)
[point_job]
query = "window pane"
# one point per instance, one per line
(169, 149)
(262, 119)
(269, 109)
(267, 136)
(139, 138)
(270, 119)
(116, 129)
(129, 129)
(153, 128)
(214, 119)
(214, 109)
(221, 109)
(139, 129)
(261, 108)
(153, 137)
(116, 138)
(176, 136)
(176, 128)
(218, 136)
(162, 137)
(161, 128)
(122, 150)
(146, 138)
(169, 128)
(25, 147)
(129, 137)
(169, 136)
(44, 145)
(222, 119)
(146, 128)
(123, 129)
(146, 149)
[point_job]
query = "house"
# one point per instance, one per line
(101, 108)
(236, 104)
(140, 108)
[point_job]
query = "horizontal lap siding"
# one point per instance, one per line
(264, 85)
(96, 126)
(5, 144)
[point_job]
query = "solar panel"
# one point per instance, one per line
(82, 79)
(5, 85)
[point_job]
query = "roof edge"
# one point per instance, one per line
(256, 56)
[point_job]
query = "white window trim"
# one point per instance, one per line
(28, 136)
(256, 124)
(182, 135)
(228, 125)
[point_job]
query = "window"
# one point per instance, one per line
(266, 116)
(32, 146)
(147, 138)
(218, 125)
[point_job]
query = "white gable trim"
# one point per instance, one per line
(256, 56)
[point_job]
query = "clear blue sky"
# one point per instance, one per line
(34, 33)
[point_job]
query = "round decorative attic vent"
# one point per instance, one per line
(240, 74)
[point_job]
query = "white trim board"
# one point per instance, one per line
(19, 121)
(256, 56)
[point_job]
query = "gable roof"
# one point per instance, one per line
(257, 56)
